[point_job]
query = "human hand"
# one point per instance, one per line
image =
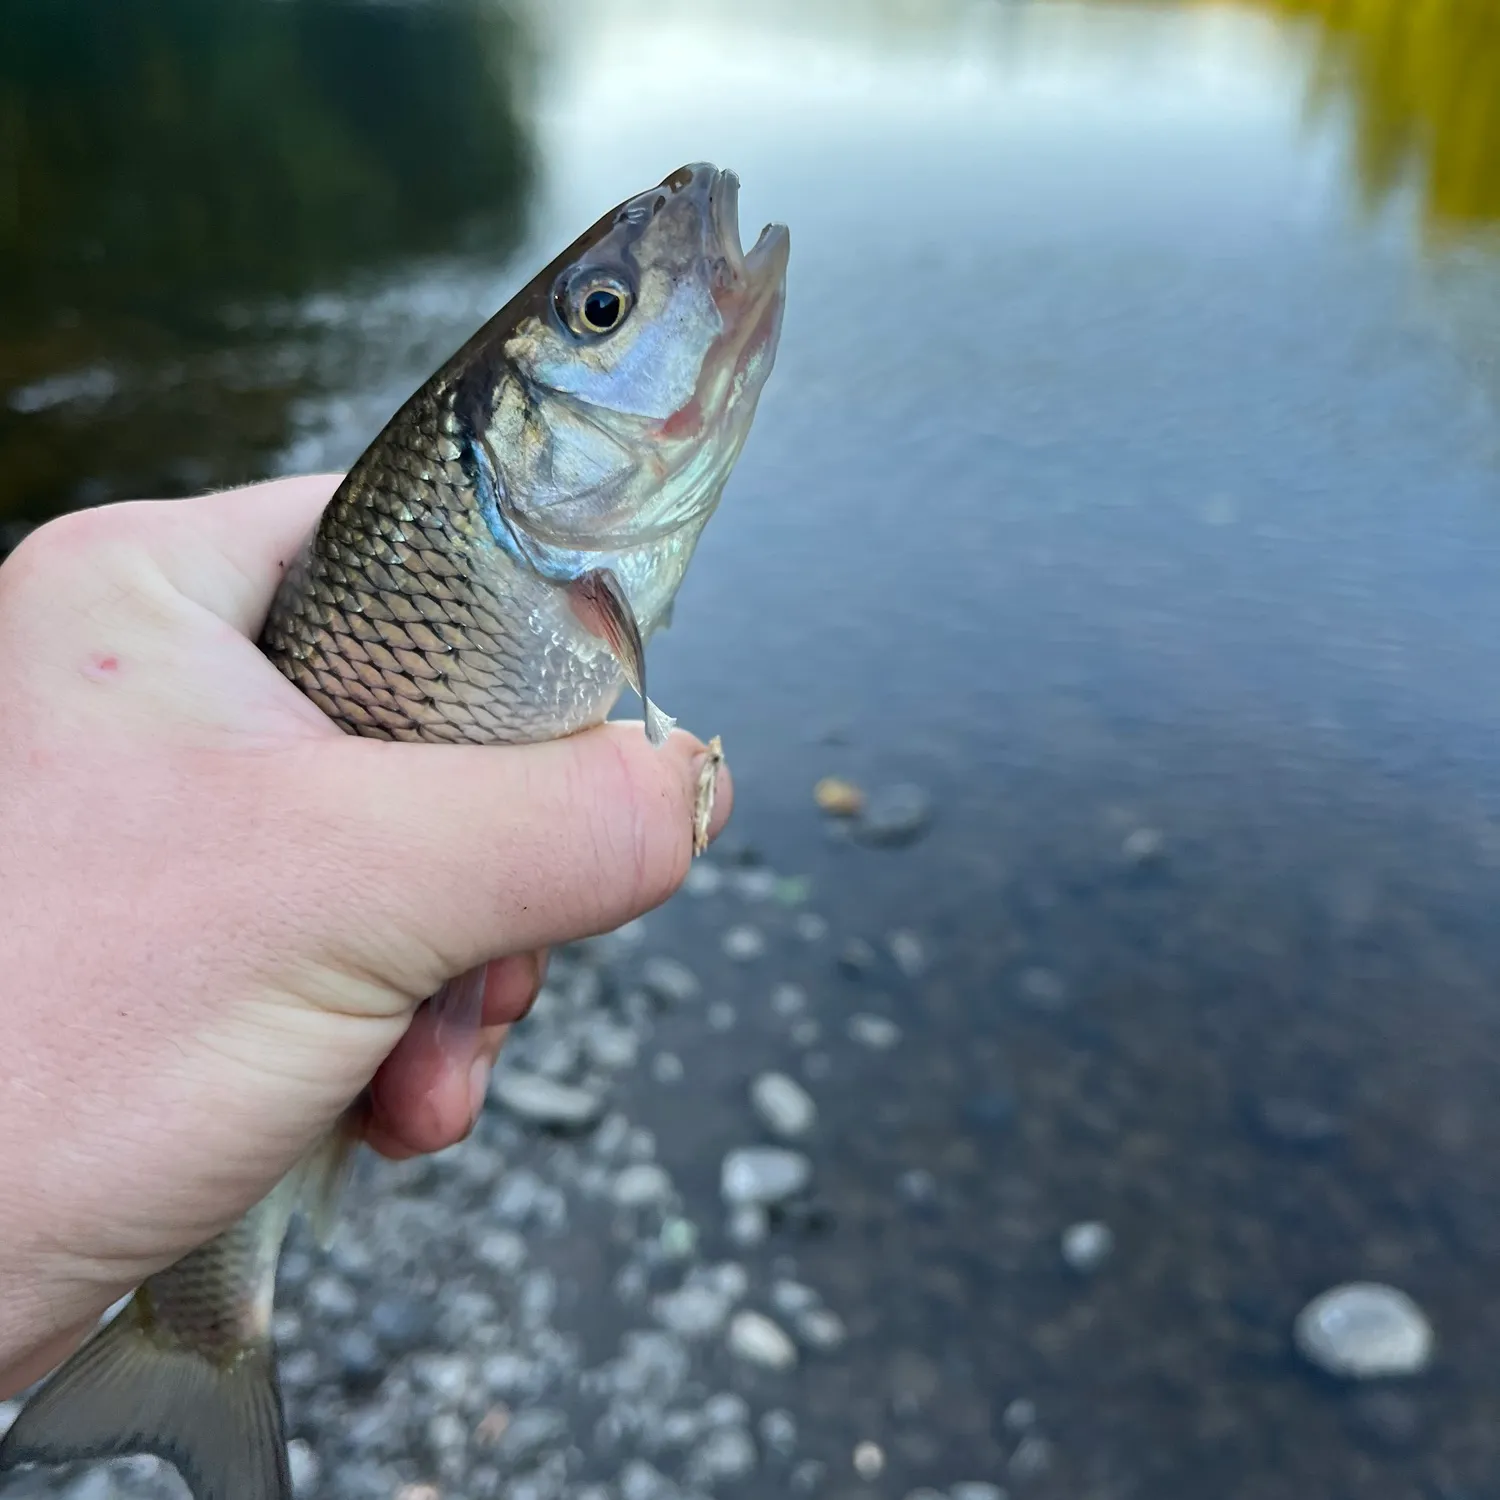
(222, 912)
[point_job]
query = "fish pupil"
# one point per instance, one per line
(601, 309)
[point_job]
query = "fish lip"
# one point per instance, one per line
(766, 262)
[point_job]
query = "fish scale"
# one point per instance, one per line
(457, 589)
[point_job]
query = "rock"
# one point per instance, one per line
(703, 879)
(531, 1431)
(361, 1364)
(754, 885)
(917, 1186)
(1144, 846)
(9, 1411)
(975, 1489)
(808, 1476)
(693, 1311)
(743, 944)
(1020, 1415)
(332, 1297)
(778, 1431)
(839, 798)
(924, 1492)
(810, 927)
(821, 1328)
(402, 1323)
(1042, 989)
(721, 1016)
(755, 1339)
(763, 1175)
(611, 1047)
(640, 1481)
(869, 1461)
(791, 1298)
(805, 1032)
(502, 1250)
(749, 1225)
(670, 981)
(726, 1410)
(857, 958)
(784, 1106)
(666, 1067)
(788, 999)
(1363, 1331)
(722, 1457)
(895, 816)
(1294, 1124)
(543, 1101)
(678, 1239)
(1085, 1247)
(907, 951)
(641, 1186)
(875, 1032)
(1032, 1459)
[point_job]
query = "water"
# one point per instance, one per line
(1130, 469)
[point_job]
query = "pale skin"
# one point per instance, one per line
(221, 913)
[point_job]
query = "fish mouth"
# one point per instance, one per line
(763, 267)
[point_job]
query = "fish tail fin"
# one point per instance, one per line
(219, 1423)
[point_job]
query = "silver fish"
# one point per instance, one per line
(489, 571)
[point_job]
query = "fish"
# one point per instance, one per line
(489, 571)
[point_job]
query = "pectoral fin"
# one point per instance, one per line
(600, 602)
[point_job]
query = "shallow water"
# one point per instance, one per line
(1132, 461)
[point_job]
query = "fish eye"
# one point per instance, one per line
(594, 305)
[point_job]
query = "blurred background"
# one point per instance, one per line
(1119, 530)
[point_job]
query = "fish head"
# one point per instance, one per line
(634, 370)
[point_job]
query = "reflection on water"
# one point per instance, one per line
(166, 170)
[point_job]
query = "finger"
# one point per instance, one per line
(443, 856)
(426, 1093)
(228, 551)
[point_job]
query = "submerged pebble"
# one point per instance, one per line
(763, 1175)
(1365, 1330)
(544, 1101)
(754, 1338)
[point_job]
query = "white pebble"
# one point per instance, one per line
(303, 1465)
(874, 1032)
(543, 1101)
(749, 1225)
(744, 944)
(721, 1016)
(1364, 1330)
(810, 927)
(670, 980)
(1085, 1247)
(703, 879)
(821, 1328)
(666, 1067)
(763, 1174)
(757, 1340)
(788, 999)
(869, 1461)
(641, 1185)
(975, 1489)
(906, 948)
(784, 1106)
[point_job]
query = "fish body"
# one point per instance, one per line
(488, 571)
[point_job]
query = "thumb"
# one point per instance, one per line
(458, 854)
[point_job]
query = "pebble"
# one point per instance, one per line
(693, 1312)
(808, 1476)
(816, 1065)
(869, 1461)
(907, 951)
(743, 944)
(821, 1328)
(924, 1493)
(402, 1323)
(792, 1297)
(1042, 989)
(1144, 846)
(544, 1101)
(721, 1016)
(723, 1456)
(678, 1238)
(875, 1032)
(1295, 1124)
(763, 1175)
(1020, 1415)
(749, 1225)
(502, 1250)
(1365, 1330)
(641, 1481)
(611, 1047)
(9, 1411)
(754, 1338)
(754, 885)
(975, 1489)
(895, 816)
(641, 1185)
(332, 1297)
(1086, 1246)
(810, 927)
(839, 798)
(666, 1067)
(361, 1364)
(703, 879)
(857, 958)
(670, 980)
(788, 999)
(778, 1431)
(529, 1432)
(1032, 1459)
(805, 1032)
(726, 1410)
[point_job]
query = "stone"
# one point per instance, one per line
(544, 1101)
(874, 1032)
(810, 927)
(856, 958)
(1032, 1458)
(703, 879)
(361, 1364)
(869, 1461)
(839, 798)
(821, 1328)
(788, 999)
(749, 1225)
(754, 1338)
(1042, 989)
(531, 1431)
(907, 951)
(784, 1106)
(722, 1457)
(975, 1489)
(1086, 1246)
(1020, 1415)
(763, 1174)
(666, 1067)
(670, 980)
(692, 1311)
(1144, 846)
(778, 1431)
(743, 944)
(402, 1323)
(895, 816)
(641, 1186)
(1365, 1331)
